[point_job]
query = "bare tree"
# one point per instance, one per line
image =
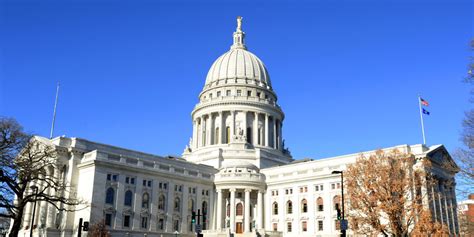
(385, 195)
(465, 156)
(25, 161)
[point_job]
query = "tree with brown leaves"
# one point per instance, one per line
(26, 162)
(385, 195)
(99, 229)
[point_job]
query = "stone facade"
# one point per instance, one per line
(235, 168)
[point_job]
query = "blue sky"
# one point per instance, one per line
(347, 73)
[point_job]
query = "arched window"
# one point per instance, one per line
(177, 204)
(289, 207)
(249, 135)
(204, 207)
(145, 200)
(161, 202)
(128, 198)
(239, 209)
(320, 204)
(227, 135)
(337, 202)
(275, 208)
(109, 196)
(216, 137)
(304, 206)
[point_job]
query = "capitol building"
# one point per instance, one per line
(235, 169)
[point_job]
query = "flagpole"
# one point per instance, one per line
(421, 118)
(54, 112)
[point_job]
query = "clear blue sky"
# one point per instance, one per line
(347, 73)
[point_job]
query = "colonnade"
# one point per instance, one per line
(443, 203)
(207, 132)
(232, 204)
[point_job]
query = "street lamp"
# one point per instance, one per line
(34, 210)
(343, 231)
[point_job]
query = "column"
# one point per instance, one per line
(274, 133)
(245, 123)
(280, 135)
(255, 129)
(266, 130)
(203, 131)
(170, 207)
(210, 130)
(219, 209)
(433, 200)
(221, 129)
(52, 209)
(247, 211)
(195, 125)
(184, 210)
(232, 125)
(232, 210)
(259, 209)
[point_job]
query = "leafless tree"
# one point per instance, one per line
(25, 161)
(99, 229)
(384, 193)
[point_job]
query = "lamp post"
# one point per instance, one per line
(343, 231)
(34, 210)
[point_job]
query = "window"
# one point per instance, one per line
(216, 136)
(149, 183)
(266, 96)
(227, 135)
(289, 207)
(304, 206)
(249, 93)
(218, 94)
(239, 209)
(128, 198)
(132, 180)
(337, 223)
(145, 200)
(289, 226)
(176, 225)
(227, 92)
(318, 187)
(228, 210)
(177, 204)
(112, 177)
(144, 222)
(249, 135)
(275, 226)
(275, 208)
(126, 221)
(320, 226)
(337, 202)
(161, 203)
(335, 185)
(239, 92)
(320, 204)
(258, 94)
(165, 186)
(109, 196)
(127, 180)
(144, 183)
(161, 224)
(108, 219)
(210, 95)
(304, 226)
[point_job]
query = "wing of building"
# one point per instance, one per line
(236, 171)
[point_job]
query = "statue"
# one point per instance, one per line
(239, 23)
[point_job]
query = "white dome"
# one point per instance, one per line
(238, 63)
(238, 164)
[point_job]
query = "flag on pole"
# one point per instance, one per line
(424, 102)
(426, 112)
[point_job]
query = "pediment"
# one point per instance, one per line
(441, 157)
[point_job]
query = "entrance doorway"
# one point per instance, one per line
(238, 228)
